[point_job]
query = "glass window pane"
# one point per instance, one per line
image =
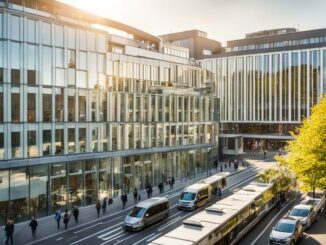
(59, 77)
(71, 106)
(59, 142)
(90, 41)
(15, 55)
(46, 33)
(31, 107)
(31, 30)
(15, 107)
(39, 190)
(82, 60)
(47, 142)
(59, 57)
(71, 58)
(4, 195)
(76, 183)
(15, 144)
(71, 140)
(15, 27)
(82, 140)
(59, 111)
(71, 36)
(32, 147)
(100, 43)
(58, 34)
(81, 79)
(47, 107)
(47, 66)
(82, 106)
(82, 40)
(19, 194)
(58, 186)
(1, 107)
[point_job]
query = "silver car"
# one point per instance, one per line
(286, 231)
(146, 213)
(306, 214)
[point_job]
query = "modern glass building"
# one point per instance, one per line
(267, 84)
(86, 114)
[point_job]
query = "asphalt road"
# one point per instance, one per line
(110, 231)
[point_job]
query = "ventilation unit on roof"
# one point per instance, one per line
(192, 222)
(214, 209)
(249, 188)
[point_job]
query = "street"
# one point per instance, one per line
(110, 231)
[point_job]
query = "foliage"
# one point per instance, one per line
(281, 178)
(307, 152)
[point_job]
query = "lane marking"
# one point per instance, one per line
(165, 226)
(108, 233)
(59, 238)
(111, 240)
(175, 214)
(113, 236)
(124, 239)
(95, 233)
(269, 224)
(111, 220)
(151, 239)
(87, 228)
(153, 234)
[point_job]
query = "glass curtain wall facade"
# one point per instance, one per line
(267, 94)
(85, 123)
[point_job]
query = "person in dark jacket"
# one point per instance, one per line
(135, 195)
(57, 217)
(104, 204)
(33, 224)
(124, 200)
(172, 181)
(9, 229)
(75, 213)
(98, 208)
(66, 218)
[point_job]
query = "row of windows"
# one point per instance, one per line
(268, 87)
(35, 31)
(70, 105)
(306, 41)
(33, 140)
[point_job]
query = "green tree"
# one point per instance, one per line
(307, 152)
(280, 178)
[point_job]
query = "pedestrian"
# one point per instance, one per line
(135, 195)
(124, 200)
(98, 208)
(172, 181)
(265, 153)
(219, 192)
(148, 191)
(57, 217)
(160, 187)
(225, 166)
(66, 218)
(104, 204)
(139, 197)
(75, 213)
(221, 168)
(9, 230)
(33, 224)
(230, 162)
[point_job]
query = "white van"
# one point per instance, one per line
(194, 196)
(146, 213)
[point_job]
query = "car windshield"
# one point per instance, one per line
(284, 227)
(188, 196)
(137, 212)
(299, 212)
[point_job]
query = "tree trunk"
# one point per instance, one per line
(313, 192)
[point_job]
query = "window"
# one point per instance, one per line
(47, 142)
(47, 65)
(82, 60)
(100, 43)
(58, 35)
(90, 41)
(31, 107)
(31, 65)
(59, 57)
(82, 140)
(59, 142)
(71, 140)
(32, 149)
(207, 52)
(47, 107)
(15, 144)
(82, 40)
(2, 150)
(59, 111)
(71, 36)
(15, 63)
(82, 106)
(71, 58)
(15, 107)
(46, 33)
(1, 107)
(31, 30)
(81, 79)
(71, 106)
(15, 27)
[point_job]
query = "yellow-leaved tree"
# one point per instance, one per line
(307, 152)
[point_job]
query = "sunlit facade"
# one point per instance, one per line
(79, 122)
(264, 95)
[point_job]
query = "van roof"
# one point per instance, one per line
(150, 202)
(302, 206)
(195, 187)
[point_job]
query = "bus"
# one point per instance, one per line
(226, 221)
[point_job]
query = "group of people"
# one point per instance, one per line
(66, 216)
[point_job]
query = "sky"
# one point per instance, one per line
(222, 19)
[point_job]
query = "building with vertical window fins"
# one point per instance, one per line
(267, 83)
(86, 113)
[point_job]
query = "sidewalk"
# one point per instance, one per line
(47, 225)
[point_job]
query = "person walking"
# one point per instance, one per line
(135, 193)
(124, 200)
(219, 192)
(221, 168)
(160, 187)
(148, 191)
(33, 224)
(265, 153)
(104, 204)
(98, 208)
(9, 230)
(172, 181)
(57, 217)
(75, 213)
(66, 218)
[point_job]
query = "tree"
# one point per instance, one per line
(280, 178)
(307, 152)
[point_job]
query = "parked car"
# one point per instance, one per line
(318, 202)
(147, 213)
(287, 231)
(306, 214)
